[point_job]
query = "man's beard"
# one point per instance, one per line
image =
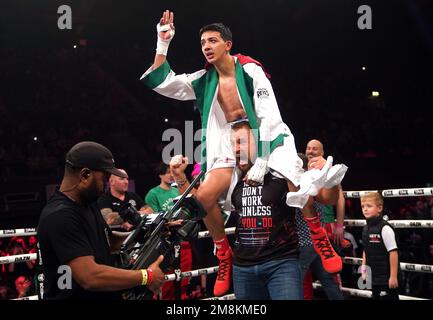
(90, 194)
(244, 166)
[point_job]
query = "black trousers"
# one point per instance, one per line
(384, 293)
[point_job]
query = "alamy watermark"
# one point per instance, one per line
(65, 20)
(365, 21)
(216, 142)
(65, 279)
(364, 281)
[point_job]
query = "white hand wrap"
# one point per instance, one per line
(258, 170)
(161, 44)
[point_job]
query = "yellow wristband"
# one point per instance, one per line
(144, 277)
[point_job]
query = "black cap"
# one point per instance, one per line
(92, 155)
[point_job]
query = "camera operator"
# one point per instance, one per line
(76, 242)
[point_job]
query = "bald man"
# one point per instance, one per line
(315, 154)
(111, 202)
(309, 261)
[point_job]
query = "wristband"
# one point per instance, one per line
(149, 276)
(340, 226)
(181, 181)
(144, 277)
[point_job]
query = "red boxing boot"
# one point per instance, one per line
(222, 283)
(331, 261)
(224, 255)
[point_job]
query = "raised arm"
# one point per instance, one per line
(178, 165)
(165, 33)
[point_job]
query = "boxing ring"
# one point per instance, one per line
(398, 224)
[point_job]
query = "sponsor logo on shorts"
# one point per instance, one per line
(262, 93)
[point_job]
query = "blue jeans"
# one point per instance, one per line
(275, 279)
(308, 258)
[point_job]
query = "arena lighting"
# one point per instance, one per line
(165, 120)
(363, 68)
(75, 46)
(35, 138)
(374, 93)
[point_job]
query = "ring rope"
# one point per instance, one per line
(410, 267)
(19, 258)
(35, 297)
(8, 233)
(206, 234)
(392, 193)
(365, 293)
(191, 274)
(230, 296)
(394, 223)
(357, 194)
(17, 232)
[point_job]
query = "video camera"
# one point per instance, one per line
(153, 236)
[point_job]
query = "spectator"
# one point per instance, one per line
(23, 286)
(309, 260)
(160, 198)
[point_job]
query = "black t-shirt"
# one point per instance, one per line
(266, 225)
(67, 231)
(107, 200)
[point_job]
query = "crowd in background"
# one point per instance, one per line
(415, 246)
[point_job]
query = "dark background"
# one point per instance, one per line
(313, 50)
